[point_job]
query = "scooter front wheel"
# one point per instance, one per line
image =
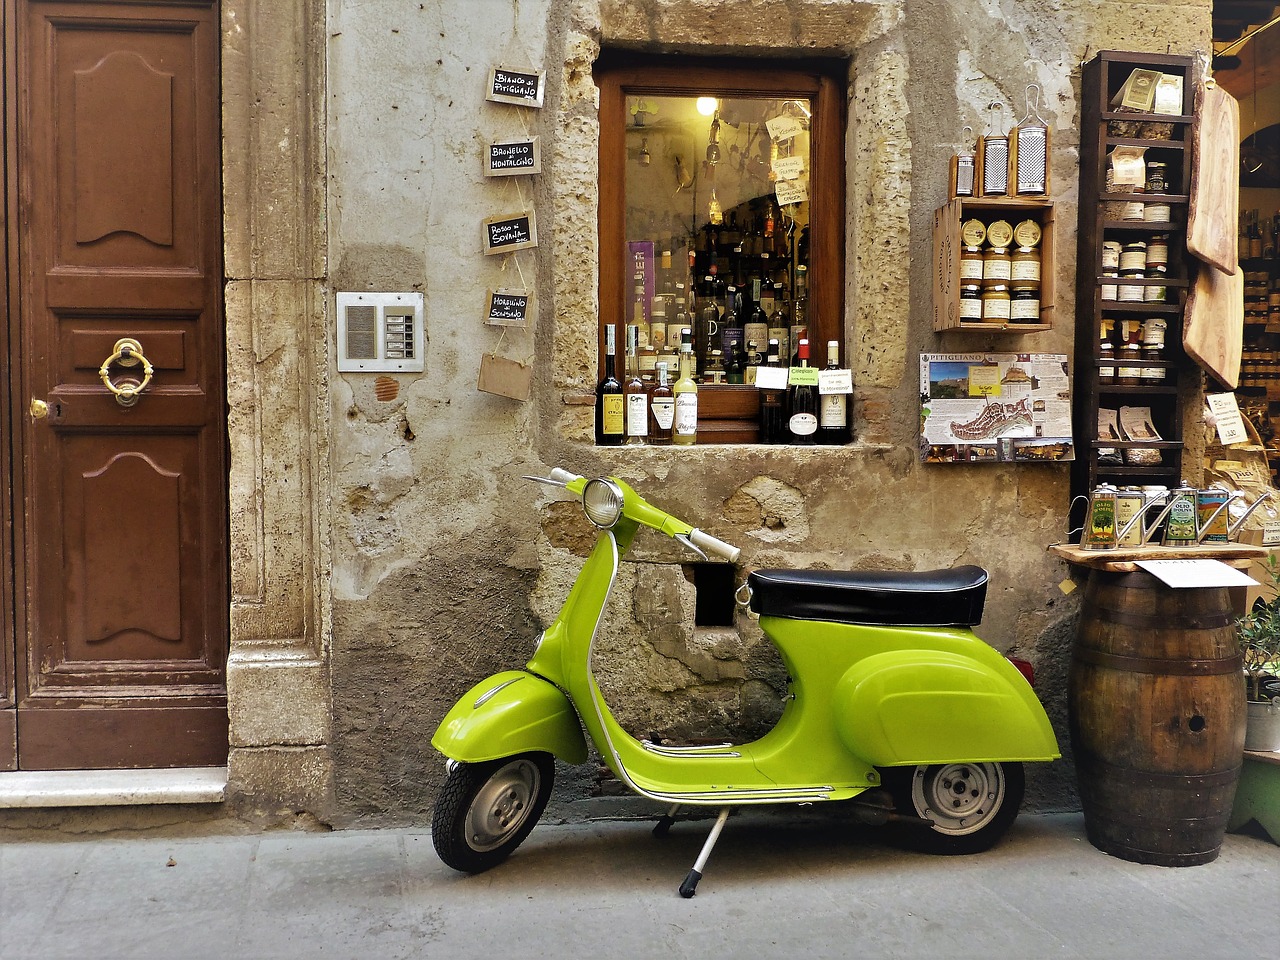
(485, 810)
(969, 806)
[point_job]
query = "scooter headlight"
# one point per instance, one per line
(602, 502)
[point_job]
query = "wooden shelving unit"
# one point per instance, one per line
(1102, 78)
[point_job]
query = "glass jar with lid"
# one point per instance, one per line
(1025, 264)
(1024, 304)
(996, 303)
(970, 301)
(970, 263)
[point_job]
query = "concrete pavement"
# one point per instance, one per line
(774, 887)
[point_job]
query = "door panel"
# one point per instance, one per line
(8, 408)
(123, 656)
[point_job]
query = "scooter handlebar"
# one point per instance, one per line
(709, 544)
(563, 476)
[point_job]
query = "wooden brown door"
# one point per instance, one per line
(120, 562)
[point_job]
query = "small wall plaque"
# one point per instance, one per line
(509, 158)
(510, 232)
(507, 308)
(521, 86)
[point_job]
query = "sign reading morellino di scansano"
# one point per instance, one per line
(507, 308)
(508, 158)
(520, 86)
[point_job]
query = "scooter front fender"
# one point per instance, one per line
(930, 706)
(509, 713)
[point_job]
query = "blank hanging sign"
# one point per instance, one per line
(504, 378)
(507, 308)
(509, 158)
(510, 232)
(523, 87)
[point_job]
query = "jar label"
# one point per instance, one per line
(970, 308)
(996, 269)
(971, 268)
(1024, 309)
(1026, 270)
(995, 308)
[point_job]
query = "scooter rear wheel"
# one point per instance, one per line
(485, 810)
(969, 805)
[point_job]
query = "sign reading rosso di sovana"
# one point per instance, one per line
(510, 232)
(508, 158)
(523, 87)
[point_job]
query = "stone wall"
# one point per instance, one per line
(445, 565)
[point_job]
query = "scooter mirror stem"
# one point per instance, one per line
(549, 482)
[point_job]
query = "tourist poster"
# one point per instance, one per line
(995, 408)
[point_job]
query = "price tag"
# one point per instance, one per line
(835, 381)
(1231, 427)
(1271, 533)
(783, 128)
(788, 168)
(791, 191)
(803, 376)
(771, 378)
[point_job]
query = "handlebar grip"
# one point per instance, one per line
(709, 544)
(563, 476)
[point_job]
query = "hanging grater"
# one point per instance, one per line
(1030, 146)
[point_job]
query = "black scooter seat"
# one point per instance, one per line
(922, 598)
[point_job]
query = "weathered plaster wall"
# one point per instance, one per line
(445, 565)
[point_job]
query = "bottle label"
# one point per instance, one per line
(664, 411)
(803, 424)
(612, 414)
(686, 424)
(833, 410)
(638, 415)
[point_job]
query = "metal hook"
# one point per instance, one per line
(1033, 106)
(970, 138)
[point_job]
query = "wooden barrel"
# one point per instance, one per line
(1156, 710)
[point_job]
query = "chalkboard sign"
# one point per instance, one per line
(511, 232)
(508, 158)
(507, 308)
(515, 85)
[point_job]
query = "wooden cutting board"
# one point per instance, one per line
(1214, 206)
(1213, 333)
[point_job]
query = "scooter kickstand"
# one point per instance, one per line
(663, 826)
(690, 884)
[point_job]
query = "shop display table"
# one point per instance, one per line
(1156, 705)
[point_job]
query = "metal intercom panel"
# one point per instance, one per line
(380, 333)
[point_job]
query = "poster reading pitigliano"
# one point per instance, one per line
(995, 408)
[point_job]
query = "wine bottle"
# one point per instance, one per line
(635, 393)
(685, 429)
(662, 409)
(609, 398)
(833, 417)
(773, 421)
(802, 399)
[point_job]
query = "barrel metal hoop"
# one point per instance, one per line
(1175, 668)
(1206, 621)
(1093, 767)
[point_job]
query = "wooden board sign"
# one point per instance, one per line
(513, 231)
(507, 308)
(509, 158)
(523, 87)
(505, 378)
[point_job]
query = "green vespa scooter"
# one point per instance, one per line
(894, 705)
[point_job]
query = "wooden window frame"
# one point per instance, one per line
(823, 82)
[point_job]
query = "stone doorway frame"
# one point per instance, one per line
(273, 166)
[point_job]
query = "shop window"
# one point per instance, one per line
(721, 212)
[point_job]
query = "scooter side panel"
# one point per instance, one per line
(933, 706)
(509, 713)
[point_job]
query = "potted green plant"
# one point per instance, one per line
(1259, 632)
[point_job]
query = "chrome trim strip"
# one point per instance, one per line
(743, 796)
(490, 694)
(706, 750)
